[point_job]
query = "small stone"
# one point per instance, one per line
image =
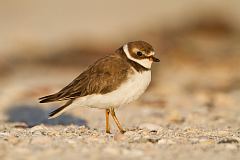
(37, 133)
(223, 133)
(137, 153)
(137, 139)
(176, 117)
(130, 133)
(119, 137)
(133, 153)
(13, 140)
(70, 141)
(228, 141)
(41, 140)
(21, 125)
(194, 140)
(206, 141)
(150, 126)
(160, 130)
(37, 128)
(166, 141)
(153, 139)
(2, 134)
(231, 146)
(111, 151)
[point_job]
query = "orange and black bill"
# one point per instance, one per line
(154, 59)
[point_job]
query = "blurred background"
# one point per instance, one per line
(190, 111)
(46, 44)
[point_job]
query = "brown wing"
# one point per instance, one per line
(102, 77)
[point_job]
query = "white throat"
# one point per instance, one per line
(143, 62)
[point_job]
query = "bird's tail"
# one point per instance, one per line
(60, 110)
(49, 98)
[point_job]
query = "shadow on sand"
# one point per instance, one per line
(34, 116)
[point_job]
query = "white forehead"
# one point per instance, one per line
(151, 53)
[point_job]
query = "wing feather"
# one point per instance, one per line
(102, 77)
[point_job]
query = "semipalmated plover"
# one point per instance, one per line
(110, 82)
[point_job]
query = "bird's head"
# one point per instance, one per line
(140, 52)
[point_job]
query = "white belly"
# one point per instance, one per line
(129, 91)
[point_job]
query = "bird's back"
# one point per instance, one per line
(102, 77)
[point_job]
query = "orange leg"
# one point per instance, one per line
(116, 120)
(107, 121)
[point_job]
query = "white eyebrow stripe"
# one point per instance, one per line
(125, 49)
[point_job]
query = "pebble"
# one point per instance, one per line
(153, 139)
(175, 117)
(130, 133)
(41, 140)
(37, 128)
(194, 140)
(133, 152)
(3, 134)
(206, 141)
(119, 137)
(228, 141)
(13, 140)
(70, 141)
(231, 146)
(111, 151)
(223, 133)
(166, 141)
(150, 126)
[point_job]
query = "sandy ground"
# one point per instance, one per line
(190, 111)
(167, 122)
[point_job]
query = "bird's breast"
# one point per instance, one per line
(132, 88)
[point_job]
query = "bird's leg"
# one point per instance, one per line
(116, 120)
(107, 121)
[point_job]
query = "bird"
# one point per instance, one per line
(111, 82)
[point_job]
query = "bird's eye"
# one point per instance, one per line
(139, 53)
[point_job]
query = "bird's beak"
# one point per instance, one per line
(154, 59)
